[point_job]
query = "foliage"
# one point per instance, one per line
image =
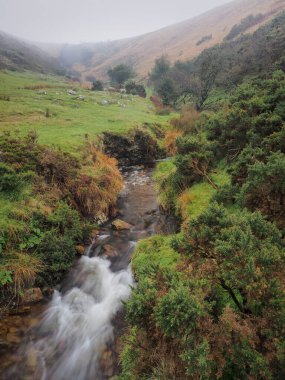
(120, 74)
(5, 277)
(217, 310)
(167, 91)
(245, 24)
(134, 88)
(57, 196)
(10, 181)
(22, 270)
(265, 187)
(204, 39)
(226, 65)
(97, 85)
(217, 300)
(161, 67)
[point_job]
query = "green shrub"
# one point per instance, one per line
(10, 181)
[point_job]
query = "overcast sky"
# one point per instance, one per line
(94, 20)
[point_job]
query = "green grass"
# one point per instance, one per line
(71, 120)
(198, 197)
(157, 251)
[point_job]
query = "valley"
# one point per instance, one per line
(142, 193)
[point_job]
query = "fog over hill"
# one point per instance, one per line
(181, 41)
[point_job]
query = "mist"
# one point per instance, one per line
(76, 21)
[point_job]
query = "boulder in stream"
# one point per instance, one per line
(120, 225)
(109, 250)
(32, 295)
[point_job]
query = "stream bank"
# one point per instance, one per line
(77, 333)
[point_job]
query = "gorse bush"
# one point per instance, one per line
(10, 181)
(134, 88)
(212, 304)
(218, 301)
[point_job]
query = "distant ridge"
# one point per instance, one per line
(181, 41)
(19, 55)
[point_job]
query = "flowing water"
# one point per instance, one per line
(78, 335)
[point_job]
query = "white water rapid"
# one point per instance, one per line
(79, 323)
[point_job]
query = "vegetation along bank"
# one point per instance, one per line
(209, 300)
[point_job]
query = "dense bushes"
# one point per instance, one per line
(250, 136)
(10, 181)
(245, 24)
(217, 310)
(212, 317)
(120, 74)
(135, 89)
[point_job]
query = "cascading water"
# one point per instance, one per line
(78, 323)
(79, 327)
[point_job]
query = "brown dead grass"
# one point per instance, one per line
(170, 141)
(24, 268)
(97, 188)
(188, 120)
(179, 41)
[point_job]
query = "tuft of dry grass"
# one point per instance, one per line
(24, 268)
(187, 122)
(170, 141)
(97, 188)
(183, 202)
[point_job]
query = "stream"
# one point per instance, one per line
(76, 336)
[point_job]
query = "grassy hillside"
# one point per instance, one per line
(41, 103)
(19, 55)
(55, 184)
(180, 41)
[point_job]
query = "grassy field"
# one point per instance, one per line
(41, 103)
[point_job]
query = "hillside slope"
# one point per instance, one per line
(180, 41)
(19, 55)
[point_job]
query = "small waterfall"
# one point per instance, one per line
(76, 338)
(78, 324)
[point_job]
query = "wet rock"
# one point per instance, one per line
(94, 233)
(13, 338)
(33, 322)
(120, 225)
(13, 330)
(20, 311)
(32, 358)
(80, 249)
(32, 295)
(48, 292)
(109, 250)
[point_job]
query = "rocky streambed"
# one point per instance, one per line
(77, 334)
